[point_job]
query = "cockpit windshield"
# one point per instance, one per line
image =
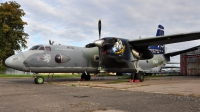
(34, 47)
(40, 47)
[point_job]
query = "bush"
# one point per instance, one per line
(2, 69)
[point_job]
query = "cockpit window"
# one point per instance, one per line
(41, 48)
(34, 48)
(48, 48)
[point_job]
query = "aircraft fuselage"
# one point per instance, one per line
(70, 59)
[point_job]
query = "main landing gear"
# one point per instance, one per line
(137, 76)
(85, 76)
(38, 79)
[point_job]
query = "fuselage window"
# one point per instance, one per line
(48, 48)
(34, 47)
(41, 48)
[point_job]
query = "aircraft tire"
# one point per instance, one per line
(141, 76)
(88, 77)
(39, 80)
(83, 76)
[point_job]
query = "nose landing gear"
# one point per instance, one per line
(38, 79)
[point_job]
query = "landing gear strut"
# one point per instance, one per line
(137, 75)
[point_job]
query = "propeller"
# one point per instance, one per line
(51, 43)
(98, 43)
(99, 28)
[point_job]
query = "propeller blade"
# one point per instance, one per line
(99, 27)
(50, 42)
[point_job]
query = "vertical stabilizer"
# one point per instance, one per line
(158, 49)
(160, 30)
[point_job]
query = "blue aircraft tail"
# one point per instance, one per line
(158, 49)
(160, 30)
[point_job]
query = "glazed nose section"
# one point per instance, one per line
(15, 61)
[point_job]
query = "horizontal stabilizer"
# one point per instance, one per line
(182, 51)
(173, 62)
(169, 67)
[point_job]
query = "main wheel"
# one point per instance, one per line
(88, 77)
(140, 76)
(83, 76)
(39, 80)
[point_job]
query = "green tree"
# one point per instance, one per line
(12, 35)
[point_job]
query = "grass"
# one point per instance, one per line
(115, 82)
(14, 76)
(73, 85)
(193, 95)
(44, 75)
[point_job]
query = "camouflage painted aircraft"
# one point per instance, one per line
(108, 54)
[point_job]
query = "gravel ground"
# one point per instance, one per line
(21, 95)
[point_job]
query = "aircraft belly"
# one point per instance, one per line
(63, 69)
(75, 69)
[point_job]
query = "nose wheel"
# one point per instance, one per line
(39, 80)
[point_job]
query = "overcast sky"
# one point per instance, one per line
(75, 22)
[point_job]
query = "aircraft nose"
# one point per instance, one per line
(15, 61)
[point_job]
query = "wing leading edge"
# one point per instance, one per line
(168, 39)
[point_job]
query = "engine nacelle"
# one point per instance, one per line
(144, 53)
(135, 53)
(116, 48)
(120, 50)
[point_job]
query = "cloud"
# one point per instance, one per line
(74, 22)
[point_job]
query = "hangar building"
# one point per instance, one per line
(190, 63)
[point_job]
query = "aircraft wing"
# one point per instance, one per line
(168, 39)
(181, 52)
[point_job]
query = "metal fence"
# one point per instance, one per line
(15, 72)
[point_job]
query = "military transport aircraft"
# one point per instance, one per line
(108, 54)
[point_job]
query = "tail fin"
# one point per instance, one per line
(160, 30)
(158, 49)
